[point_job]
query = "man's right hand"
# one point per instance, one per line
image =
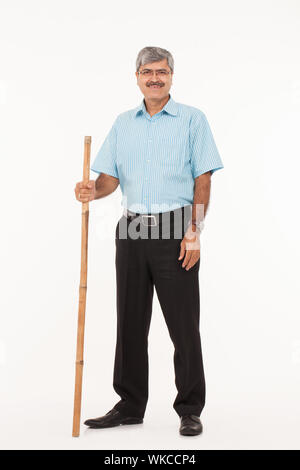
(85, 192)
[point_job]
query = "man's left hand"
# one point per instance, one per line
(190, 246)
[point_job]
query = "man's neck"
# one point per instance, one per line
(154, 106)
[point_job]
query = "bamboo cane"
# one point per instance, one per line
(82, 294)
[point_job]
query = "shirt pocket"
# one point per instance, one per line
(171, 153)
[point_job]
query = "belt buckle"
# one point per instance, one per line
(149, 216)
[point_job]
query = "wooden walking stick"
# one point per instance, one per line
(82, 293)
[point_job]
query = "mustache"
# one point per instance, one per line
(153, 83)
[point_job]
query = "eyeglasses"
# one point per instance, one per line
(146, 73)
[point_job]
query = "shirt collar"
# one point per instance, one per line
(170, 107)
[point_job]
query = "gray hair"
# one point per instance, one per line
(154, 54)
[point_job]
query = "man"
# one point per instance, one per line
(162, 154)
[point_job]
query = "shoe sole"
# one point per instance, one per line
(125, 422)
(190, 433)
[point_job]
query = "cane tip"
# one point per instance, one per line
(87, 139)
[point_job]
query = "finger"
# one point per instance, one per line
(192, 262)
(182, 250)
(187, 258)
(83, 185)
(85, 191)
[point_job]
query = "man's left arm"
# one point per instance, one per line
(190, 245)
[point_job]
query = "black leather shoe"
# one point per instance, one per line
(112, 418)
(190, 425)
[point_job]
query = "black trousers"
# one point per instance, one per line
(141, 264)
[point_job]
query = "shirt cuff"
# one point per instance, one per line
(201, 171)
(107, 171)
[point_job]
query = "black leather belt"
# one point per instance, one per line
(151, 220)
(146, 219)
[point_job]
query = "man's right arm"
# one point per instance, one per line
(105, 185)
(96, 189)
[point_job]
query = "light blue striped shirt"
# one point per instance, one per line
(157, 158)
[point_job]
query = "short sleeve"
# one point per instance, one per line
(204, 155)
(105, 160)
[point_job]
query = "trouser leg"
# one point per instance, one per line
(179, 298)
(134, 308)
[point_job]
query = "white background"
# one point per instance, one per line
(67, 70)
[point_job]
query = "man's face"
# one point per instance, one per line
(155, 86)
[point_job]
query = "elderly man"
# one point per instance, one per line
(162, 154)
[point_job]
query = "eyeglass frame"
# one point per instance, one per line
(154, 72)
